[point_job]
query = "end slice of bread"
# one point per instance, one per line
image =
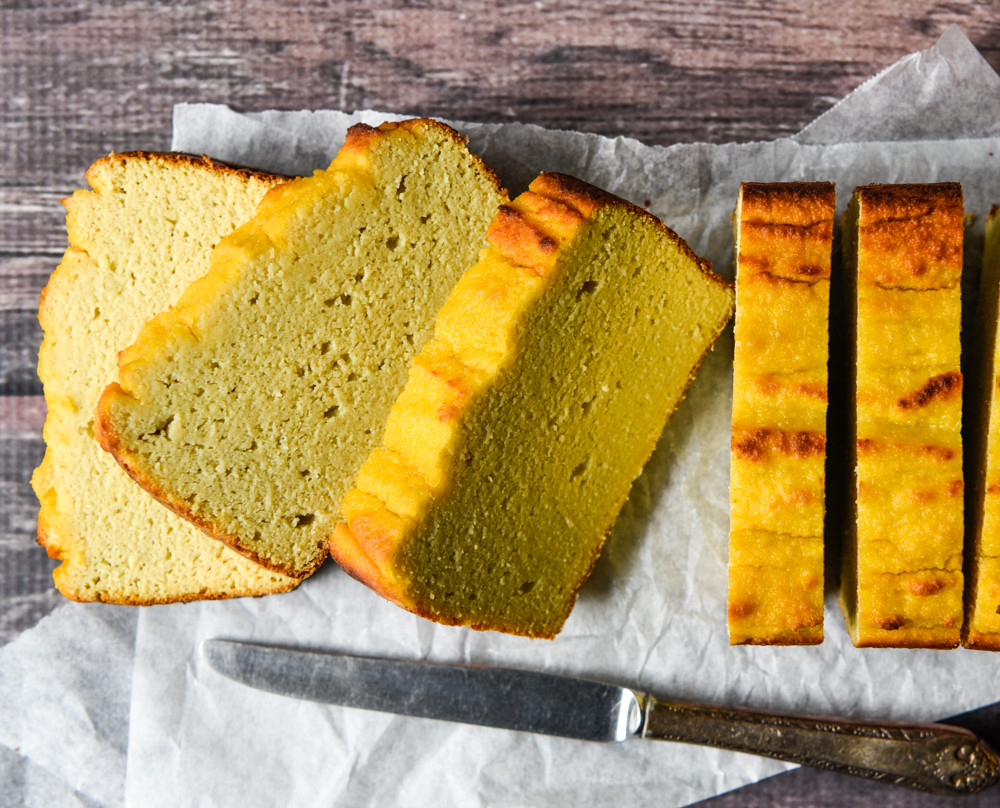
(556, 362)
(143, 233)
(249, 407)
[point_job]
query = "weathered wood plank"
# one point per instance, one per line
(22, 278)
(20, 336)
(80, 80)
(26, 590)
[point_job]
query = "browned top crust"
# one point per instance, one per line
(586, 198)
(911, 235)
(360, 137)
(794, 203)
(183, 158)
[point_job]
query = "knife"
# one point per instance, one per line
(937, 758)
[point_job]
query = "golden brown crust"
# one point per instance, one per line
(937, 388)
(361, 137)
(759, 444)
(183, 158)
(911, 235)
(582, 196)
(801, 204)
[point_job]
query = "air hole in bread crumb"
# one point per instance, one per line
(352, 376)
(161, 430)
(324, 348)
(425, 218)
(392, 242)
(586, 405)
(305, 474)
(332, 412)
(303, 519)
(401, 189)
(254, 299)
(586, 289)
(300, 372)
(527, 586)
(579, 470)
(359, 277)
(409, 339)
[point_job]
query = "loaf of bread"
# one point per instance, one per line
(555, 364)
(982, 615)
(137, 240)
(249, 407)
(784, 237)
(902, 567)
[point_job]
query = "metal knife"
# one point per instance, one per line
(937, 758)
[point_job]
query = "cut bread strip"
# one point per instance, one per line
(901, 582)
(143, 233)
(784, 237)
(556, 362)
(982, 616)
(249, 407)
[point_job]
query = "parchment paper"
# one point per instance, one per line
(650, 615)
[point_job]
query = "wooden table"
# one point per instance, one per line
(80, 80)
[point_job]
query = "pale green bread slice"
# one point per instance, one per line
(143, 233)
(250, 406)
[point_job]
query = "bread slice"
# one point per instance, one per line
(982, 613)
(249, 407)
(784, 238)
(137, 239)
(901, 583)
(556, 362)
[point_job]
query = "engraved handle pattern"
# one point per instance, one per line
(928, 757)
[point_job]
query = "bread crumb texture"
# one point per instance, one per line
(143, 233)
(555, 364)
(784, 238)
(902, 580)
(249, 406)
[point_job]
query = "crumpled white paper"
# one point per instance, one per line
(652, 615)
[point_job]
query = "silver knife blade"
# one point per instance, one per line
(493, 697)
(938, 758)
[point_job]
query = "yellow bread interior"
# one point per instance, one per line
(982, 616)
(901, 582)
(556, 362)
(249, 407)
(143, 233)
(784, 237)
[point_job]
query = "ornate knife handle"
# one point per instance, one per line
(929, 757)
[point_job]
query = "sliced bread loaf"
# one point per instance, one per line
(137, 240)
(556, 362)
(784, 238)
(250, 406)
(982, 611)
(901, 578)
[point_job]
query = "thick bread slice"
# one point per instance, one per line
(137, 240)
(982, 611)
(901, 578)
(250, 406)
(784, 237)
(556, 362)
